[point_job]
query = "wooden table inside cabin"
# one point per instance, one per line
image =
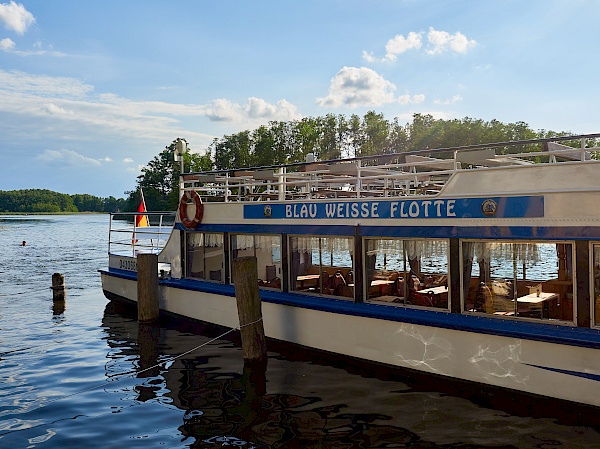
(306, 277)
(537, 301)
(380, 283)
(434, 290)
(437, 295)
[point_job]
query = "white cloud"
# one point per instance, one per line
(128, 160)
(15, 17)
(7, 44)
(136, 169)
(70, 107)
(106, 159)
(222, 110)
(254, 109)
(399, 44)
(455, 99)
(442, 41)
(47, 86)
(395, 46)
(66, 157)
(408, 99)
(358, 86)
(439, 42)
(52, 109)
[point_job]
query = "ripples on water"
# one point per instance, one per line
(88, 376)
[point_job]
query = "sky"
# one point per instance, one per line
(91, 91)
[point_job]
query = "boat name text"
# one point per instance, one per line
(433, 208)
(397, 209)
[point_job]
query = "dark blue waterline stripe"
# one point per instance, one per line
(545, 332)
(594, 377)
(489, 232)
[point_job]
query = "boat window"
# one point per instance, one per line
(596, 278)
(267, 250)
(407, 272)
(322, 265)
(516, 279)
(205, 256)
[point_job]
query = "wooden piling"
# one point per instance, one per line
(58, 287)
(147, 287)
(245, 278)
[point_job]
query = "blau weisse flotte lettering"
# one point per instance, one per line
(373, 209)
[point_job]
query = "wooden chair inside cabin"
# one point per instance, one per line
(350, 278)
(414, 284)
(274, 283)
(442, 280)
(271, 272)
(338, 280)
(398, 287)
(325, 283)
(344, 290)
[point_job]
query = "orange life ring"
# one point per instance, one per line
(187, 196)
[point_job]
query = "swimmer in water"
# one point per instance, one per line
(24, 243)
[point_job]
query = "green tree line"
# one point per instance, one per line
(40, 200)
(329, 137)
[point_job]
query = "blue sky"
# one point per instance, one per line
(90, 91)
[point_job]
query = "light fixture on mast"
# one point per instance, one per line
(180, 147)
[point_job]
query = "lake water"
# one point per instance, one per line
(90, 376)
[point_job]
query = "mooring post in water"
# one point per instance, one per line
(58, 287)
(245, 278)
(147, 287)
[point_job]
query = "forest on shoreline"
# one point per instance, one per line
(47, 201)
(327, 137)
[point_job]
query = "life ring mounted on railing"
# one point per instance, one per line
(190, 195)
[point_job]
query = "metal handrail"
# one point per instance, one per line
(124, 238)
(411, 173)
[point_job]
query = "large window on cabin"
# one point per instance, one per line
(531, 280)
(596, 281)
(267, 250)
(205, 256)
(408, 272)
(322, 265)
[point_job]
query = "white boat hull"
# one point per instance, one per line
(537, 367)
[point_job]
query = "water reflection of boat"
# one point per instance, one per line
(391, 259)
(304, 399)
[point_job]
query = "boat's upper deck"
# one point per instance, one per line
(464, 171)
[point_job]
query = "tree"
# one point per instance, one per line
(160, 179)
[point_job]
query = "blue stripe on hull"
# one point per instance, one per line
(440, 232)
(529, 330)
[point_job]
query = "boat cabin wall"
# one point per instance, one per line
(171, 254)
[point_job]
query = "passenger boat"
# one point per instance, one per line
(479, 263)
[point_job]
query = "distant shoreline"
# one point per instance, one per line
(53, 213)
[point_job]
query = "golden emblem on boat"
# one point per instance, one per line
(267, 211)
(489, 208)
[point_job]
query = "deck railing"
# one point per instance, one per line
(422, 172)
(127, 239)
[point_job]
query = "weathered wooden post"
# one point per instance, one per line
(148, 335)
(58, 287)
(147, 287)
(245, 278)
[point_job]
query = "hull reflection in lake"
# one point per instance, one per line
(300, 401)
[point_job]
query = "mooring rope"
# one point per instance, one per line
(122, 376)
(45, 289)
